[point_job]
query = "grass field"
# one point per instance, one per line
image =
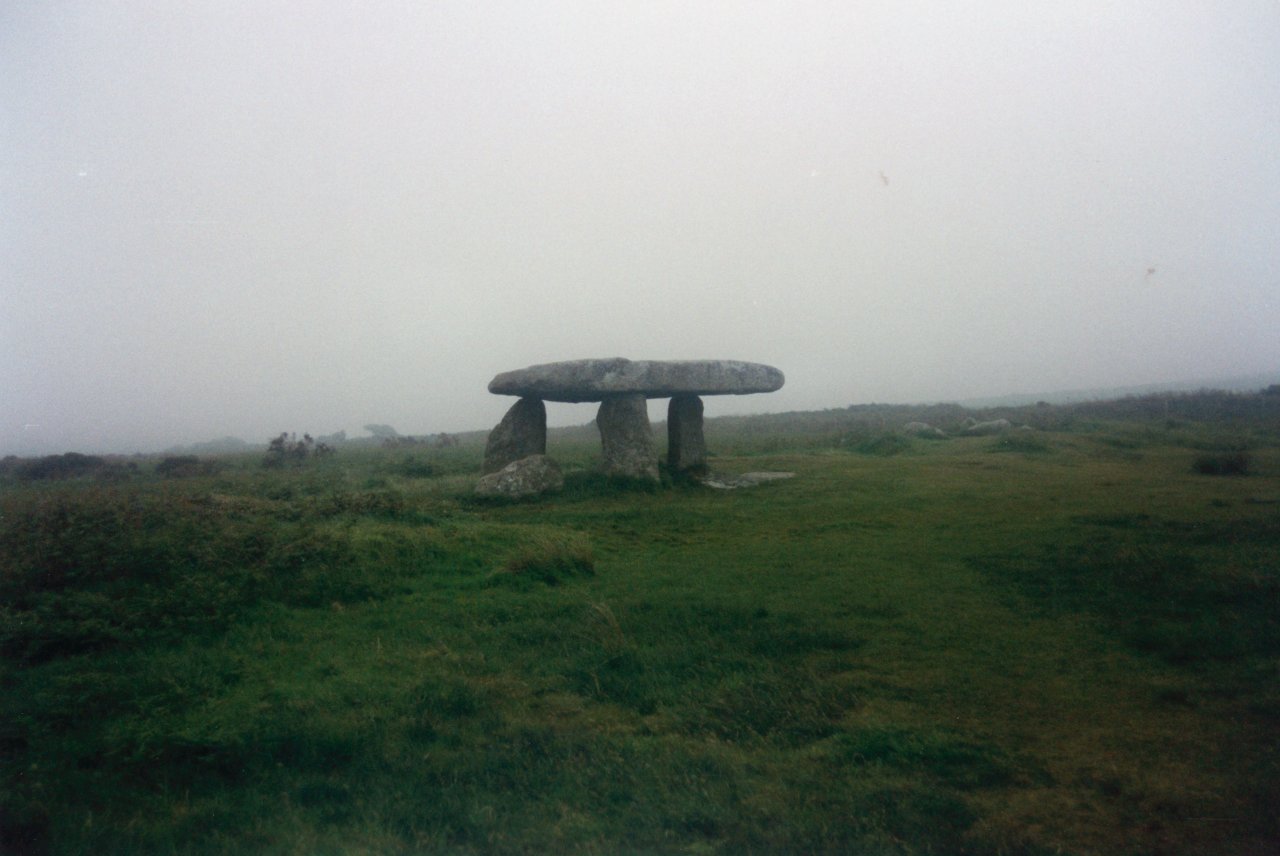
(1060, 641)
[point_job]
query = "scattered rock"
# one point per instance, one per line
(526, 477)
(922, 429)
(521, 433)
(995, 426)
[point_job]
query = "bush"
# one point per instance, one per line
(96, 569)
(288, 449)
(884, 446)
(185, 466)
(1223, 464)
(86, 571)
(551, 558)
(1020, 441)
(68, 466)
(415, 468)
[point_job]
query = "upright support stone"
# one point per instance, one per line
(626, 439)
(686, 447)
(521, 433)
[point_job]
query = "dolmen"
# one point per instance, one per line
(622, 387)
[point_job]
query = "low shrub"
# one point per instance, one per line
(1156, 587)
(1222, 464)
(95, 569)
(415, 468)
(1020, 441)
(384, 502)
(958, 762)
(185, 466)
(91, 570)
(288, 449)
(69, 466)
(551, 558)
(592, 485)
(884, 445)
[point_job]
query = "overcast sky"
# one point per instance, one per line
(248, 216)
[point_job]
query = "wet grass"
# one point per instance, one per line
(1067, 643)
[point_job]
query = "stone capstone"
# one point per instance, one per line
(686, 446)
(521, 433)
(626, 440)
(596, 380)
(526, 477)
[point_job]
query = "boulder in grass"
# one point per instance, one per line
(529, 476)
(982, 429)
(922, 429)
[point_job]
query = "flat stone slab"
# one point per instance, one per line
(745, 480)
(596, 380)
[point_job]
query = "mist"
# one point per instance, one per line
(241, 218)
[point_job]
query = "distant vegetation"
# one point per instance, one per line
(186, 466)
(220, 446)
(1181, 417)
(1060, 639)
(287, 449)
(71, 465)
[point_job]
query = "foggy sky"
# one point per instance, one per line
(249, 216)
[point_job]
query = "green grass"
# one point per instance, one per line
(1063, 643)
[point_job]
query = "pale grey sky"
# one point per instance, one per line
(248, 216)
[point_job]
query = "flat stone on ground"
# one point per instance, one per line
(595, 380)
(745, 480)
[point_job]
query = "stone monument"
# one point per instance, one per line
(622, 388)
